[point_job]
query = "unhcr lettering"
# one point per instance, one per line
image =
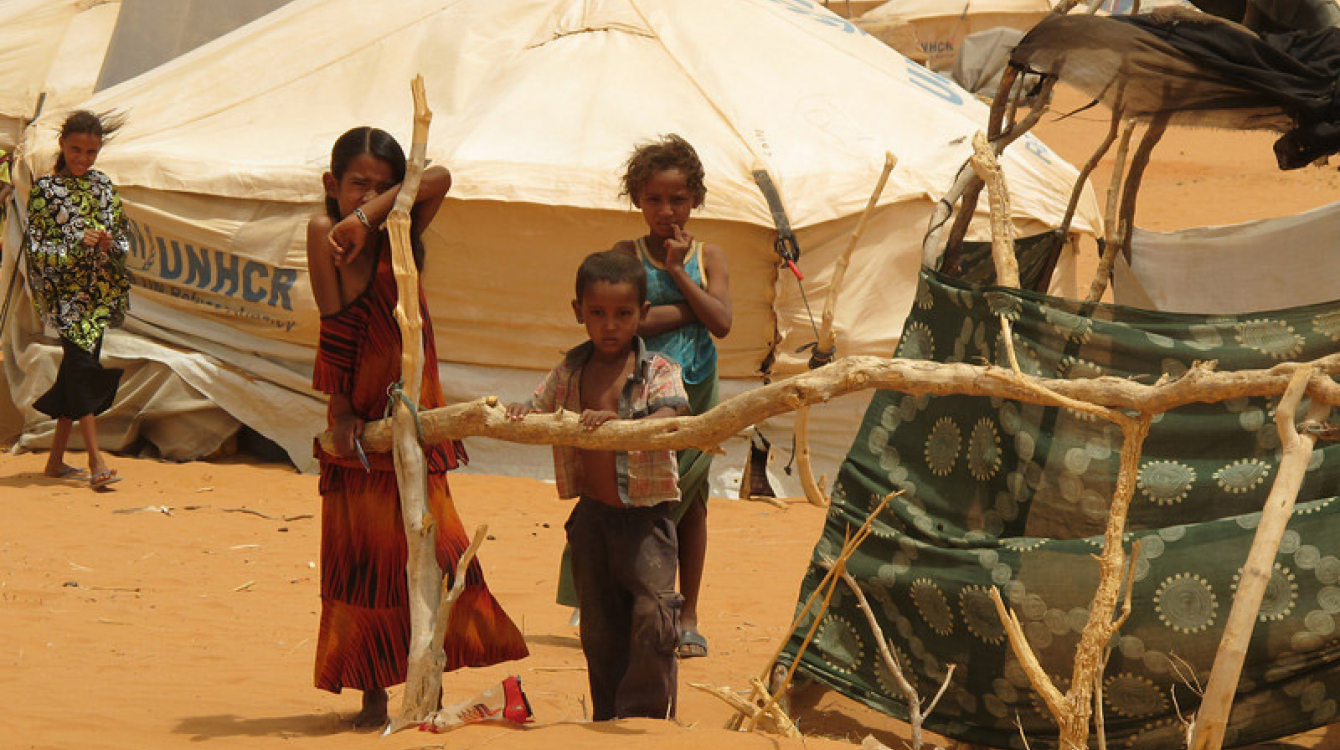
(179, 263)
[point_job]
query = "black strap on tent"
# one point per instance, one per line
(787, 247)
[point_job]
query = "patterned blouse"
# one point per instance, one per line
(79, 290)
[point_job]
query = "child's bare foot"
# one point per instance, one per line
(374, 709)
(64, 471)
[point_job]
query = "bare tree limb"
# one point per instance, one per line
(1212, 719)
(423, 683)
(1200, 383)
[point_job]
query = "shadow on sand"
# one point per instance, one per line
(306, 725)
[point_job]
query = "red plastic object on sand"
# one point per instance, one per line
(508, 704)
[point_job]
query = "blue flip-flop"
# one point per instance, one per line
(692, 645)
(69, 472)
(101, 479)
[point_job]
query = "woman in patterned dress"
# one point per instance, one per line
(76, 252)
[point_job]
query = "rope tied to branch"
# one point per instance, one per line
(396, 392)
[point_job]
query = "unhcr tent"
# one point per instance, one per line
(535, 108)
(931, 31)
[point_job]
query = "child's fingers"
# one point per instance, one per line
(336, 249)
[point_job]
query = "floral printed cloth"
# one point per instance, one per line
(79, 290)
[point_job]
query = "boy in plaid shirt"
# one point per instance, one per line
(622, 535)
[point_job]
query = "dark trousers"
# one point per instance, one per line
(624, 563)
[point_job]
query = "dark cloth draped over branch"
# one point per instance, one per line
(1202, 71)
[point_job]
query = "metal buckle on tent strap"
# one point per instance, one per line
(787, 247)
(396, 391)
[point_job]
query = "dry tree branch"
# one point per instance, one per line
(916, 715)
(1090, 165)
(827, 586)
(450, 593)
(423, 683)
(1125, 228)
(785, 725)
(1201, 383)
(1211, 720)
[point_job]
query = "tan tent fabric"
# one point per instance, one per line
(931, 31)
(1227, 265)
(536, 105)
(51, 47)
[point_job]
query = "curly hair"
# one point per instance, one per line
(668, 152)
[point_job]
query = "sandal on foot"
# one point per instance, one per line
(67, 472)
(692, 644)
(101, 479)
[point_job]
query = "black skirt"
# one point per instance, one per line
(83, 386)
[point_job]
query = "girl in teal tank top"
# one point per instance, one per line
(689, 344)
(689, 291)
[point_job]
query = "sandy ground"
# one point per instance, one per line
(180, 609)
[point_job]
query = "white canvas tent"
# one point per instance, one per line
(536, 105)
(1226, 262)
(931, 31)
(50, 55)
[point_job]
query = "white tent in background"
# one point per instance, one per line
(50, 55)
(536, 105)
(931, 31)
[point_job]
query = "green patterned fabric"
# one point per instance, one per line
(1008, 495)
(79, 290)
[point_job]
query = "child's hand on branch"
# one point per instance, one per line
(593, 418)
(676, 248)
(347, 239)
(518, 412)
(347, 428)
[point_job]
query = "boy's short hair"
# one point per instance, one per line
(613, 267)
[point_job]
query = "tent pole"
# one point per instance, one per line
(1125, 224)
(1044, 280)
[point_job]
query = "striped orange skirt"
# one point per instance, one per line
(363, 642)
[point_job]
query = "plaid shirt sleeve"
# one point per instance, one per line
(546, 397)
